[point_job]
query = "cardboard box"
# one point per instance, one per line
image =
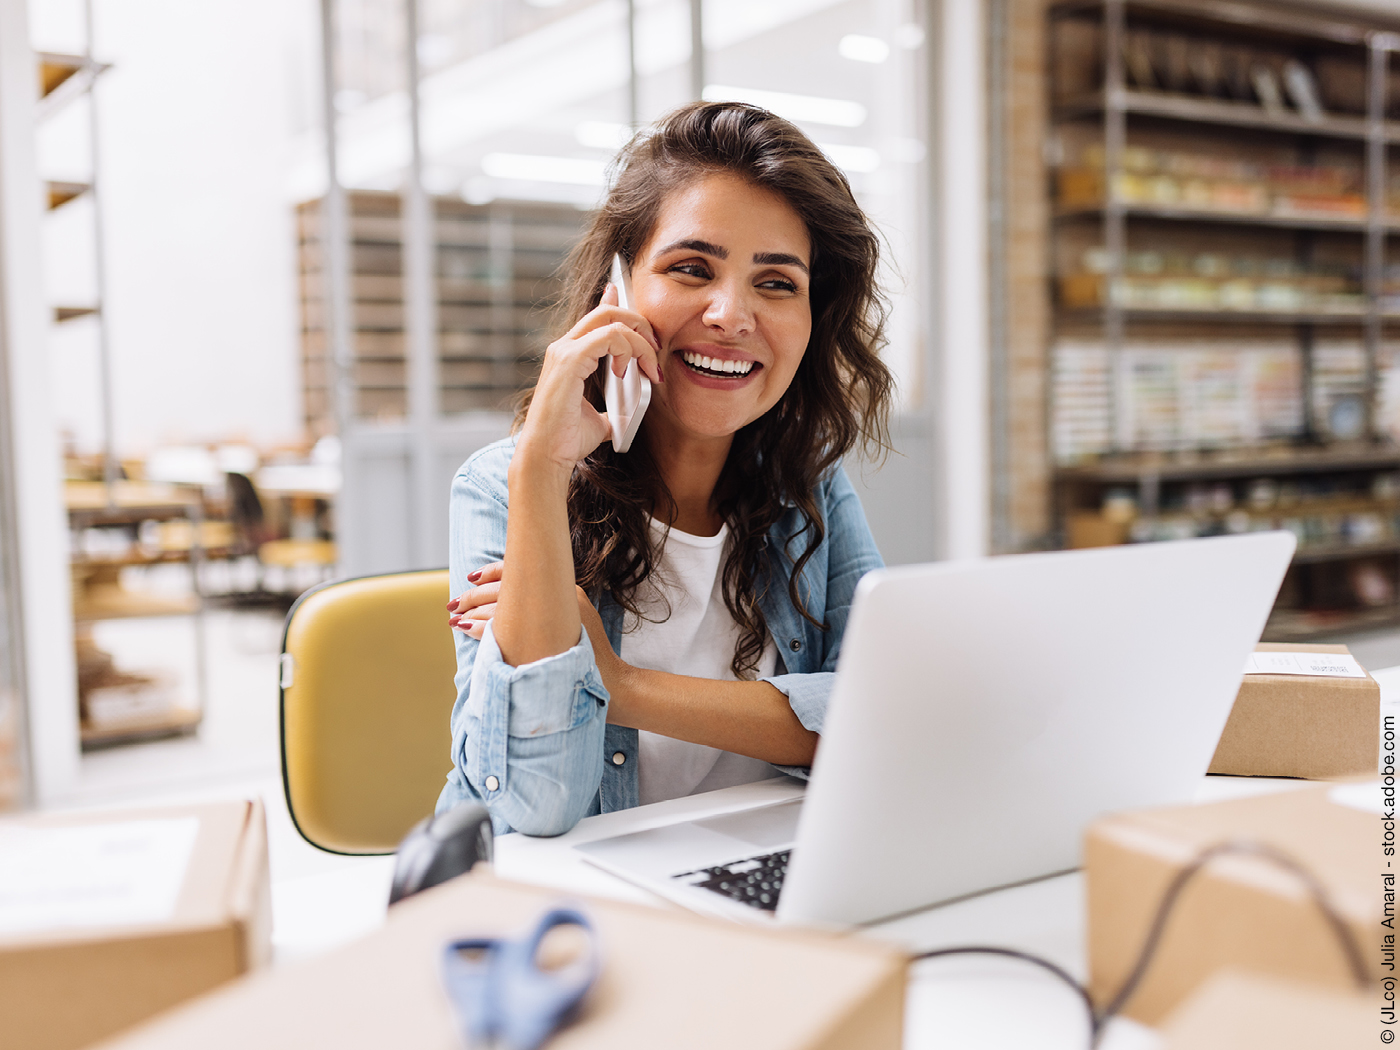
(1301, 726)
(1239, 911)
(669, 979)
(66, 986)
(1240, 1011)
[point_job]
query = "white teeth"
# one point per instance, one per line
(718, 365)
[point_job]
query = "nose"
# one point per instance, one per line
(729, 310)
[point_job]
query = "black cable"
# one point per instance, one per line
(1277, 857)
(1098, 1021)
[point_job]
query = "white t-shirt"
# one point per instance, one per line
(697, 638)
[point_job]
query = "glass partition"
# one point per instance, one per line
(522, 105)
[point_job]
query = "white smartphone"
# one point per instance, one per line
(626, 399)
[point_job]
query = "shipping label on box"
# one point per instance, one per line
(109, 918)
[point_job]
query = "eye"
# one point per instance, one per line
(779, 284)
(691, 269)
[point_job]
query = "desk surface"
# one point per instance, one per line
(969, 1003)
(954, 1004)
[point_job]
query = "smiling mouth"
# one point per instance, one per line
(714, 366)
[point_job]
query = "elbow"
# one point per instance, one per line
(543, 821)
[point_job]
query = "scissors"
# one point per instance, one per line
(503, 998)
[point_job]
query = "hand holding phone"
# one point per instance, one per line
(625, 399)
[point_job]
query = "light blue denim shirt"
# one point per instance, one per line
(533, 744)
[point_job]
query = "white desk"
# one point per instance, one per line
(967, 1003)
(954, 1004)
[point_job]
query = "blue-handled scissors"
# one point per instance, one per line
(502, 996)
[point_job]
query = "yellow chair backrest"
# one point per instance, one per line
(367, 691)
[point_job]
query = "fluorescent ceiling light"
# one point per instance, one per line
(909, 36)
(863, 48)
(860, 159)
(531, 168)
(599, 134)
(837, 112)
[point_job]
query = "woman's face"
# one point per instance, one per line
(724, 280)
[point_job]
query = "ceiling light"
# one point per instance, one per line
(599, 134)
(860, 159)
(544, 169)
(863, 48)
(837, 112)
(909, 36)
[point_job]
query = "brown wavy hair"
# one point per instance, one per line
(838, 398)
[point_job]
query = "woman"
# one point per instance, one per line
(644, 625)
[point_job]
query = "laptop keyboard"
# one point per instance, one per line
(755, 881)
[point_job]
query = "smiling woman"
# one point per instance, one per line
(641, 626)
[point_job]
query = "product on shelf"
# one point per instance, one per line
(1207, 183)
(1174, 396)
(1213, 282)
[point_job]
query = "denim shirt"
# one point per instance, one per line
(532, 743)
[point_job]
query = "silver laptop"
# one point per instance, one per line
(984, 713)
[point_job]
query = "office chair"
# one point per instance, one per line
(366, 693)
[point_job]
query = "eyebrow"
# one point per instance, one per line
(707, 248)
(780, 259)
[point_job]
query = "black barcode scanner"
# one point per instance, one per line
(441, 847)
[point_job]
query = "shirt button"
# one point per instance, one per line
(619, 758)
(795, 645)
(492, 783)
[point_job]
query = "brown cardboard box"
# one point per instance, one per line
(1301, 726)
(65, 988)
(1240, 1011)
(1239, 911)
(670, 979)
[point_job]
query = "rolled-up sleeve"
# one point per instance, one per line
(527, 741)
(532, 736)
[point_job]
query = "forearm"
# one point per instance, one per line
(536, 614)
(748, 718)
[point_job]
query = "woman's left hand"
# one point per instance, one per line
(469, 611)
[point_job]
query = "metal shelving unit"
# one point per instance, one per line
(1121, 110)
(112, 503)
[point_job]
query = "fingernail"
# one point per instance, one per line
(472, 577)
(452, 605)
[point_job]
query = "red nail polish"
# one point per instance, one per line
(472, 577)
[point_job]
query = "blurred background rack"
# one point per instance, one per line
(1225, 287)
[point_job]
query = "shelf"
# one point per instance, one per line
(68, 313)
(55, 70)
(1311, 555)
(1250, 19)
(1243, 464)
(129, 500)
(112, 603)
(1304, 625)
(60, 193)
(1195, 110)
(63, 78)
(1289, 222)
(122, 561)
(1153, 316)
(178, 721)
